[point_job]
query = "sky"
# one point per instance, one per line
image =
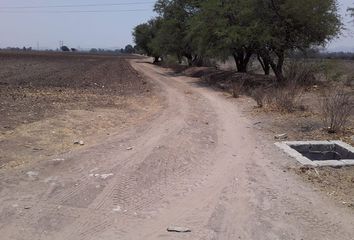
(96, 23)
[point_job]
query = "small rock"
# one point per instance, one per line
(105, 176)
(32, 174)
(129, 148)
(178, 229)
(352, 138)
(281, 136)
(37, 149)
(117, 209)
(58, 160)
(79, 142)
(27, 207)
(222, 86)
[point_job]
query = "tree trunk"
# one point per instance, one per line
(264, 63)
(179, 59)
(189, 59)
(242, 58)
(277, 67)
(198, 61)
(156, 59)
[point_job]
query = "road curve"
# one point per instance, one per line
(199, 164)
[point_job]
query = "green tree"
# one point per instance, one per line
(239, 28)
(64, 49)
(129, 49)
(286, 25)
(171, 37)
(145, 38)
(222, 29)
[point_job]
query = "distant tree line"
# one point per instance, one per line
(324, 55)
(268, 29)
(17, 49)
(102, 50)
(129, 49)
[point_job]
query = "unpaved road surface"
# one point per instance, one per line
(199, 164)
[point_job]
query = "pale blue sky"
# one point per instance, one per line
(47, 26)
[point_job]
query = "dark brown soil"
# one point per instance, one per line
(49, 99)
(34, 86)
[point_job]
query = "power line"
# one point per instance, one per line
(76, 5)
(79, 11)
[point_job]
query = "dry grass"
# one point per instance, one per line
(336, 107)
(282, 98)
(237, 88)
(301, 72)
(259, 95)
(286, 99)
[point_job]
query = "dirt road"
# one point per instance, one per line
(199, 164)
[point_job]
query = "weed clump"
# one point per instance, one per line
(336, 107)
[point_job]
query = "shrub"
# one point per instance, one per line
(285, 98)
(259, 96)
(331, 70)
(336, 108)
(350, 80)
(237, 88)
(301, 72)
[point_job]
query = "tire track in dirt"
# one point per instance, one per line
(141, 186)
(136, 184)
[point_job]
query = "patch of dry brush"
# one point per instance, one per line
(336, 108)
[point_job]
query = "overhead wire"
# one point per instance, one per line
(76, 5)
(78, 11)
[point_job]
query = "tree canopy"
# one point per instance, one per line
(146, 38)
(269, 29)
(65, 48)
